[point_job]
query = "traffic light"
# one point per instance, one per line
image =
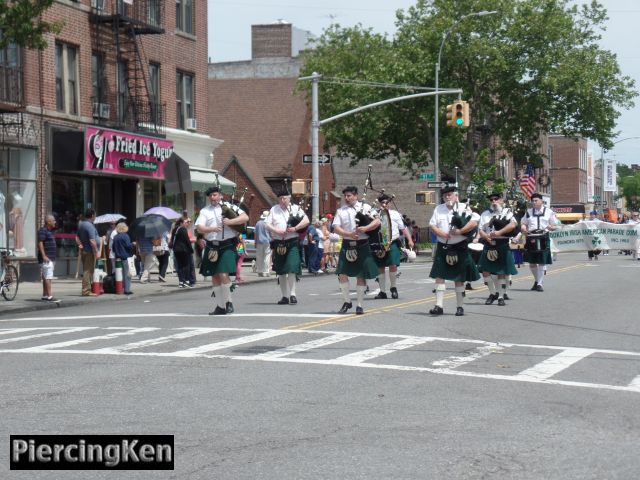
(458, 114)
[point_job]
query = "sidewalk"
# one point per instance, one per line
(67, 290)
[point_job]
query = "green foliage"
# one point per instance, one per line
(533, 68)
(631, 190)
(20, 23)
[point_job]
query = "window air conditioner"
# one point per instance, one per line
(101, 110)
(192, 124)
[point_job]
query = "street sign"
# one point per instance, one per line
(427, 176)
(321, 159)
(437, 184)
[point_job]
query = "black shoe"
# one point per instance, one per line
(468, 286)
(128, 293)
(539, 288)
(459, 312)
(359, 311)
(501, 302)
(492, 298)
(506, 297)
(283, 301)
(345, 306)
(293, 300)
(230, 307)
(436, 310)
(381, 296)
(535, 286)
(219, 311)
(394, 292)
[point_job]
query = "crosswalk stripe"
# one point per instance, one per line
(80, 341)
(635, 383)
(303, 347)
(456, 361)
(156, 341)
(371, 353)
(234, 342)
(46, 334)
(553, 365)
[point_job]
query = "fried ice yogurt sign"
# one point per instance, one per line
(111, 151)
(586, 235)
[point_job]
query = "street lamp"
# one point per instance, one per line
(436, 153)
(602, 170)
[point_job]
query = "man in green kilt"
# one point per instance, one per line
(285, 222)
(352, 222)
(497, 225)
(453, 223)
(219, 256)
(536, 224)
(391, 226)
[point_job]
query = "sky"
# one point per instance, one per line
(230, 39)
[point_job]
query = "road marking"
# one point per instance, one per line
(541, 373)
(46, 334)
(164, 315)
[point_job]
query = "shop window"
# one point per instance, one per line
(66, 78)
(151, 194)
(18, 201)
(184, 16)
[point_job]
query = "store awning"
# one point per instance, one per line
(569, 217)
(203, 178)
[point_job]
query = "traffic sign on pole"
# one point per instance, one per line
(427, 176)
(437, 184)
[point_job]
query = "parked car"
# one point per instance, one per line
(250, 244)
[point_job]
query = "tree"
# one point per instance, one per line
(630, 186)
(20, 23)
(533, 68)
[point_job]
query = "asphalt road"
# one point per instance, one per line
(547, 387)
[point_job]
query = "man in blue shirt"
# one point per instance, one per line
(87, 240)
(47, 256)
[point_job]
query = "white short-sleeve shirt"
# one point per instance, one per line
(279, 219)
(442, 216)
(346, 217)
(211, 216)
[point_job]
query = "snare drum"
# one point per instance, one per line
(537, 242)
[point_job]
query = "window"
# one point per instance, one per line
(184, 15)
(123, 91)
(154, 94)
(97, 78)
(184, 99)
(10, 73)
(154, 12)
(66, 78)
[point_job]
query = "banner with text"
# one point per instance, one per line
(588, 235)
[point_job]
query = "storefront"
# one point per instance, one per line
(569, 213)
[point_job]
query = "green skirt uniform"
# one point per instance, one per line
(290, 261)
(497, 259)
(364, 265)
(225, 263)
(464, 270)
(391, 258)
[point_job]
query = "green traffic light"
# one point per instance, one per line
(459, 121)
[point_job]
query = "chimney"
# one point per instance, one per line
(271, 40)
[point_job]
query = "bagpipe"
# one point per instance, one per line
(501, 219)
(296, 212)
(231, 211)
(379, 237)
(460, 219)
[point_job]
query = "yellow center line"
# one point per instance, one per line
(345, 318)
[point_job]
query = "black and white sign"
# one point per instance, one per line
(321, 159)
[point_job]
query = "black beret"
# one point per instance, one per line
(384, 198)
(536, 195)
(211, 190)
(448, 188)
(494, 194)
(283, 193)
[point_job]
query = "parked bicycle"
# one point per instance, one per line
(9, 279)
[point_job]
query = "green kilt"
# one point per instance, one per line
(226, 262)
(364, 266)
(290, 261)
(391, 258)
(464, 270)
(503, 264)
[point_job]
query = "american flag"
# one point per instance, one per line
(528, 181)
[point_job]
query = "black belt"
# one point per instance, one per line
(353, 243)
(220, 243)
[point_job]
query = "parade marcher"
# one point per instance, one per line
(536, 224)
(454, 223)
(497, 225)
(391, 258)
(263, 247)
(355, 258)
(635, 220)
(593, 254)
(47, 256)
(219, 255)
(284, 223)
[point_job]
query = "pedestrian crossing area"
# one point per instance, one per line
(546, 364)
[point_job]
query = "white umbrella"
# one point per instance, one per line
(166, 212)
(109, 218)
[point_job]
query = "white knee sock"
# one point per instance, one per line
(291, 279)
(217, 291)
(459, 295)
(226, 293)
(392, 278)
(503, 287)
(284, 286)
(360, 294)
(440, 289)
(534, 271)
(344, 288)
(382, 282)
(490, 283)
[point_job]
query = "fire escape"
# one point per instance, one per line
(124, 96)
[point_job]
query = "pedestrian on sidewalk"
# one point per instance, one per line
(263, 249)
(122, 249)
(87, 240)
(241, 249)
(182, 251)
(47, 256)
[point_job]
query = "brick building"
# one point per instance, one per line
(94, 119)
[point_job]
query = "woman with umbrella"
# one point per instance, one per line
(148, 230)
